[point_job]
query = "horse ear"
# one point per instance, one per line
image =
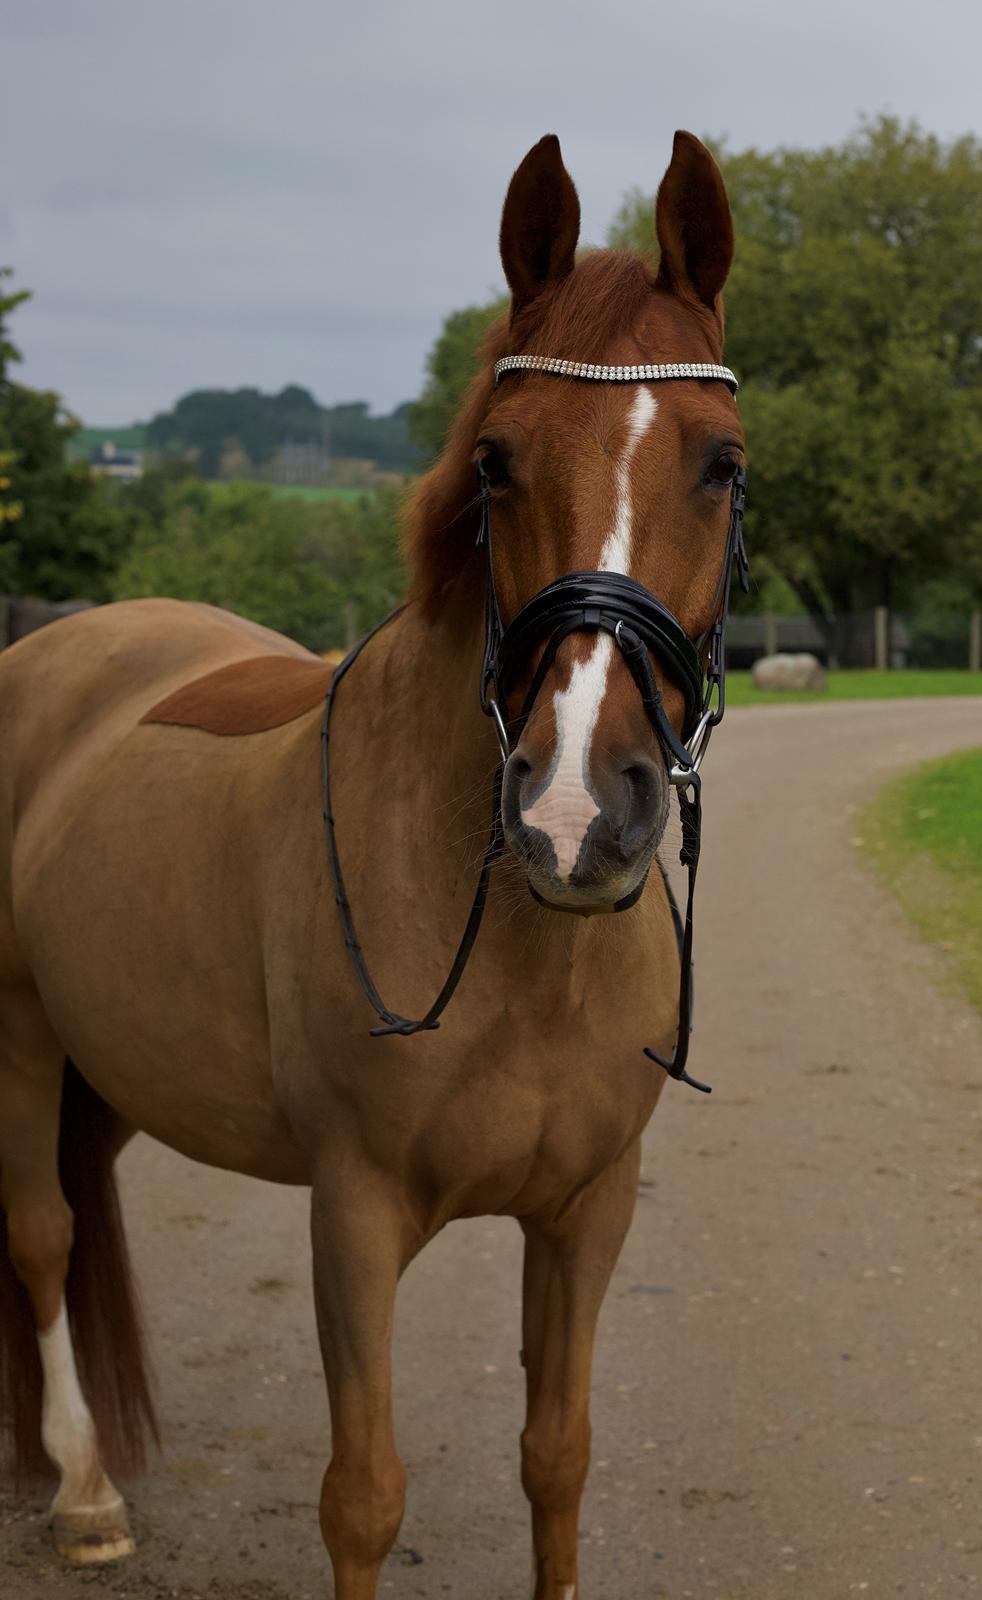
(694, 226)
(540, 223)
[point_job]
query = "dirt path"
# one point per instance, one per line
(789, 1383)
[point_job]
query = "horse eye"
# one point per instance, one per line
(492, 459)
(723, 470)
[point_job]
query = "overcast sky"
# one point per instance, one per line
(223, 192)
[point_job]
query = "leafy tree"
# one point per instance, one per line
(854, 316)
(293, 565)
(451, 364)
(206, 422)
(10, 509)
(68, 533)
(9, 352)
(351, 431)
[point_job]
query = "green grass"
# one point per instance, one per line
(924, 834)
(858, 686)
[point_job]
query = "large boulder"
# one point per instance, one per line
(802, 671)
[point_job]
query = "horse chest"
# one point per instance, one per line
(509, 1143)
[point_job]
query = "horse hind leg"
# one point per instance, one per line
(64, 1287)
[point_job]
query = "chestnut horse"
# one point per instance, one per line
(172, 957)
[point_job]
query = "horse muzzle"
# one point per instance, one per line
(586, 851)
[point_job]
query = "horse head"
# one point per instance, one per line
(622, 477)
(578, 477)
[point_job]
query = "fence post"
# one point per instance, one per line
(770, 634)
(881, 638)
(975, 642)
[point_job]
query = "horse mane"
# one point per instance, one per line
(603, 297)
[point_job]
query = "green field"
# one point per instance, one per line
(924, 834)
(858, 686)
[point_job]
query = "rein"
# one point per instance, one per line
(643, 629)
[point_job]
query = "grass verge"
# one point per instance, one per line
(923, 832)
(859, 686)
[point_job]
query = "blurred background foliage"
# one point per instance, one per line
(854, 321)
(210, 425)
(320, 571)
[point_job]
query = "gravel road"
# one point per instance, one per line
(788, 1397)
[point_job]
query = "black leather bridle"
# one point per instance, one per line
(649, 636)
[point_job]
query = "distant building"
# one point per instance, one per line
(301, 463)
(110, 462)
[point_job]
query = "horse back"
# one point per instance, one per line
(73, 689)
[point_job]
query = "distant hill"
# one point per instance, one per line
(231, 432)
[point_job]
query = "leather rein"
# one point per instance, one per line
(648, 635)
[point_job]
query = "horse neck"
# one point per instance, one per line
(418, 688)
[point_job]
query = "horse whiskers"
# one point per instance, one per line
(479, 785)
(476, 836)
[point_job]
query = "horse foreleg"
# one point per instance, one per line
(567, 1269)
(362, 1240)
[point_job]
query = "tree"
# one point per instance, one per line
(854, 315)
(293, 565)
(450, 365)
(10, 509)
(207, 423)
(68, 533)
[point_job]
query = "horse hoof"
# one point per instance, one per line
(87, 1539)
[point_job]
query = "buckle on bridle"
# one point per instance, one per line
(682, 776)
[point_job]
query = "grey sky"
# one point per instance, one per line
(222, 192)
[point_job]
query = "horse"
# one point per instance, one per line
(178, 957)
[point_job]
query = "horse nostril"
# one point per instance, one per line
(517, 773)
(640, 780)
(641, 793)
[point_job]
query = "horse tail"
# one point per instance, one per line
(101, 1300)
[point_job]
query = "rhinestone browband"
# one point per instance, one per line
(588, 369)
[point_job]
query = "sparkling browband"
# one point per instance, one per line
(587, 369)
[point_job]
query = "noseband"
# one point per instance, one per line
(648, 635)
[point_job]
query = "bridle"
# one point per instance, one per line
(644, 629)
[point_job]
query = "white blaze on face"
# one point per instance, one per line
(565, 808)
